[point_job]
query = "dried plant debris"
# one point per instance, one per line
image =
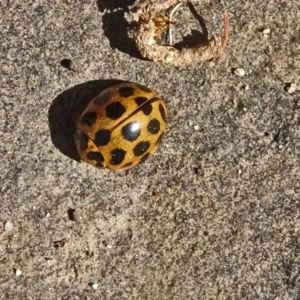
(154, 27)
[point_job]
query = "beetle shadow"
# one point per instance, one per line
(116, 27)
(66, 108)
(196, 37)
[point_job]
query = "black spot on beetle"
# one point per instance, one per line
(147, 109)
(102, 137)
(102, 98)
(144, 88)
(131, 131)
(115, 110)
(126, 91)
(153, 126)
(89, 119)
(117, 156)
(141, 148)
(81, 140)
(96, 156)
(144, 157)
(140, 100)
(162, 112)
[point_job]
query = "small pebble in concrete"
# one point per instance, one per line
(239, 72)
(290, 87)
(51, 262)
(8, 226)
(95, 286)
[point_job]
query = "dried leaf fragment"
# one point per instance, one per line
(149, 26)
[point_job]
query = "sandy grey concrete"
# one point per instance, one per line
(214, 214)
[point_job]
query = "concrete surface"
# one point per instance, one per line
(214, 214)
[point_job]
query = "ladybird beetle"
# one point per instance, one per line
(121, 127)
